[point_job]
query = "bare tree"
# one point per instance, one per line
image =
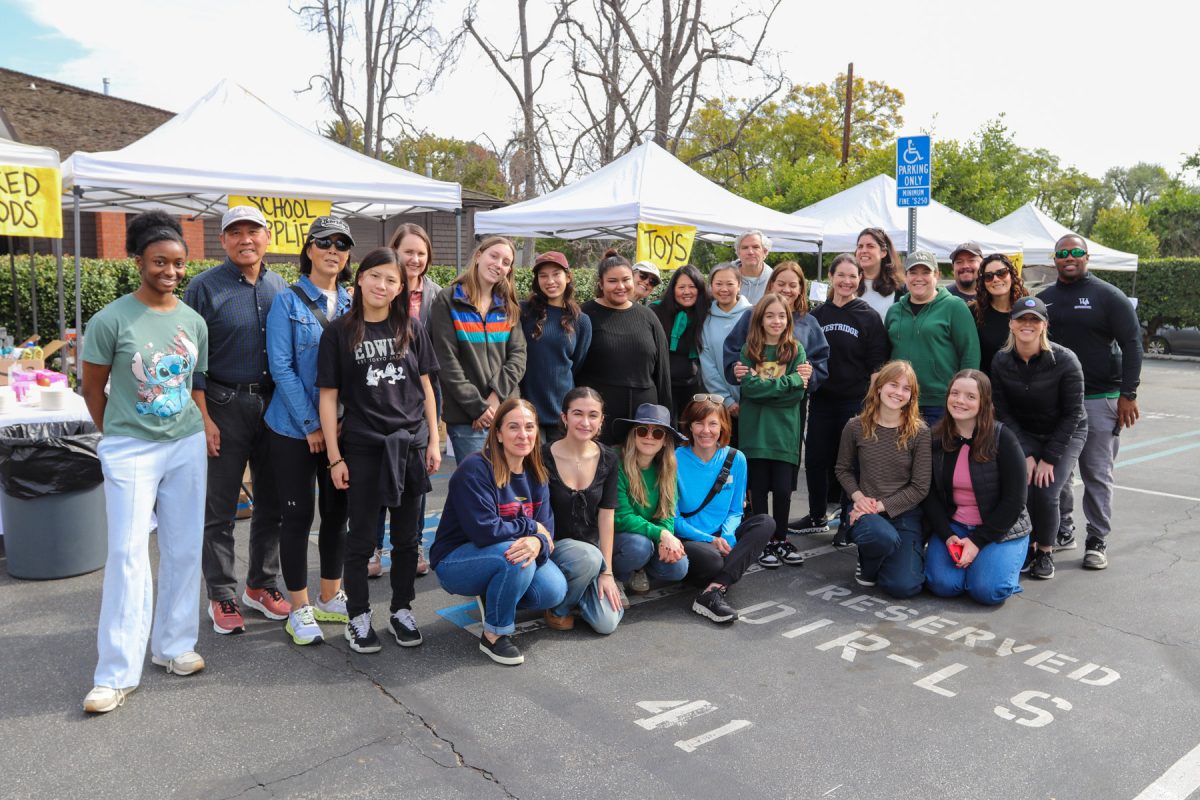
(401, 56)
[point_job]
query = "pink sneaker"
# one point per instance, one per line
(226, 616)
(269, 602)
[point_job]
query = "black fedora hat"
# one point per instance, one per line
(647, 414)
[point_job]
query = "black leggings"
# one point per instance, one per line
(706, 565)
(295, 470)
(826, 420)
(365, 465)
(776, 478)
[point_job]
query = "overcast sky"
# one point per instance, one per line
(1097, 84)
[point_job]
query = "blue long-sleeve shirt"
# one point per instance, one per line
(479, 512)
(293, 336)
(694, 478)
(552, 361)
(808, 333)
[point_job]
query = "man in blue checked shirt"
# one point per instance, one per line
(233, 396)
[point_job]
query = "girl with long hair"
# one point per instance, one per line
(883, 273)
(295, 323)
(475, 324)
(728, 305)
(375, 362)
(557, 338)
(496, 534)
(681, 312)
(645, 544)
(1000, 287)
(628, 362)
(153, 454)
(976, 503)
(583, 494)
(884, 466)
(772, 420)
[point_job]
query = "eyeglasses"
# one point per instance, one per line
(324, 244)
(712, 398)
(657, 434)
(1077, 252)
(996, 275)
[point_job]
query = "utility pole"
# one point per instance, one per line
(846, 120)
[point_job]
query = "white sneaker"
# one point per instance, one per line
(102, 699)
(332, 611)
(302, 626)
(186, 664)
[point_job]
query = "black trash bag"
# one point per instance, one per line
(49, 458)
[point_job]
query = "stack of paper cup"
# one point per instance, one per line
(53, 397)
(8, 400)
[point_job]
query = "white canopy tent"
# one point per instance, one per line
(650, 185)
(26, 155)
(1039, 232)
(872, 204)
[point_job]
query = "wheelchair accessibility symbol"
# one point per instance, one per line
(911, 154)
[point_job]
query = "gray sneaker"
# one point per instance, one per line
(1065, 540)
(639, 582)
(1043, 565)
(1094, 556)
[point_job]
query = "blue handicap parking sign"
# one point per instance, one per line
(914, 171)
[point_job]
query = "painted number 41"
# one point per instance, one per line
(674, 713)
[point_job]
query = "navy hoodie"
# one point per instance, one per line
(858, 346)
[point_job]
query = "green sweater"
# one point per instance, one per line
(770, 421)
(938, 342)
(633, 518)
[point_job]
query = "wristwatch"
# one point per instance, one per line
(1129, 395)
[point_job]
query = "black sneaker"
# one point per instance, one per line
(1029, 558)
(786, 552)
(502, 651)
(712, 604)
(1065, 540)
(861, 578)
(1043, 565)
(810, 524)
(361, 635)
(769, 559)
(1094, 555)
(404, 628)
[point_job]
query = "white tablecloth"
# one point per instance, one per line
(74, 409)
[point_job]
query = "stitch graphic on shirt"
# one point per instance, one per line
(391, 374)
(163, 390)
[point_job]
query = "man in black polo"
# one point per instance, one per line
(965, 260)
(234, 299)
(1096, 321)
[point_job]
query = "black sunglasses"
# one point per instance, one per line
(657, 434)
(324, 244)
(1077, 252)
(996, 275)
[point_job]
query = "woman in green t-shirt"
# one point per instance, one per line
(148, 344)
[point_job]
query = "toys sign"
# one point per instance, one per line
(667, 246)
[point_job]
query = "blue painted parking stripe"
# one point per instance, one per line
(1128, 462)
(1158, 440)
(459, 615)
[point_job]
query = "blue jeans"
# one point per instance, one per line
(891, 551)
(581, 564)
(505, 587)
(990, 579)
(632, 551)
(931, 414)
(465, 440)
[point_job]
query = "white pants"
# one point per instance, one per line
(138, 474)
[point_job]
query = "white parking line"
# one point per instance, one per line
(1158, 494)
(1178, 782)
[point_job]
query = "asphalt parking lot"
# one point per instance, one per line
(1085, 686)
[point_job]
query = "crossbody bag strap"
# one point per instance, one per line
(312, 306)
(715, 489)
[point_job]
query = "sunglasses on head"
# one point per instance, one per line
(657, 434)
(712, 398)
(996, 275)
(324, 244)
(1077, 252)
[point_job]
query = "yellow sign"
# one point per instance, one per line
(288, 219)
(30, 201)
(667, 246)
(1018, 260)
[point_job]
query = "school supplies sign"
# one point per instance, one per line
(288, 219)
(30, 201)
(667, 246)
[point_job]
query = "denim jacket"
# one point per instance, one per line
(293, 334)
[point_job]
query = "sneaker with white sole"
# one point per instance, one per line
(375, 564)
(861, 578)
(639, 582)
(1030, 557)
(502, 651)
(302, 626)
(786, 552)
(1094, 554)
(712, 604)
(811, 524)
(1065, 540)
(404, 628)
(361, 635)
(269, 602)
(226, 616)
(331, 610)
(769, 559)
(189, 663)
(1043, 565)
(102, 699)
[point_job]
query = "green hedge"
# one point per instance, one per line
(1168, 291)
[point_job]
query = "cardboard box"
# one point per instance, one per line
(6, 365)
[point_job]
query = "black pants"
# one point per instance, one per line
(365, 464)
(706, 565)
(620, 402)
(826, 419)
(770, 477)
(296, 469)
(239, 416)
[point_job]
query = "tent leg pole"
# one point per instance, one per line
(458, 240)
(33, 298)
(78, 351)
(1133, 287)
(820, 258)
(12, 268)
(62, 308)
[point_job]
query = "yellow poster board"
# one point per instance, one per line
(30, 201)
(667, 246)
(1018, 260)
(288, 219)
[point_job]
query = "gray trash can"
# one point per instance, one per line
(52, 500)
